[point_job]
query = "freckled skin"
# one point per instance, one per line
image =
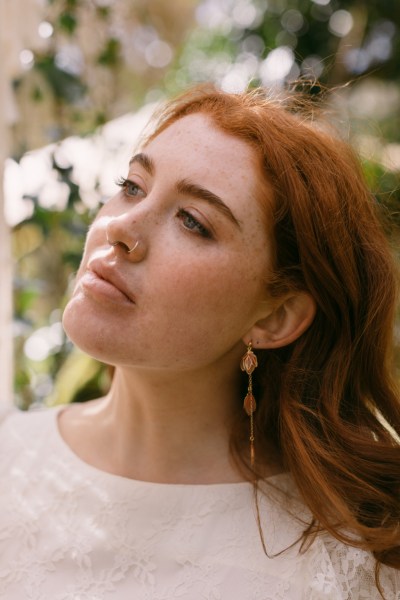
(196, 298)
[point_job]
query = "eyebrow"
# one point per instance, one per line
(184, 186)
(145, 161)
(197, 191)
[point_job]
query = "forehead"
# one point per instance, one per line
(199, 147)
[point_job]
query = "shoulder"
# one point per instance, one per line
(5, 412)
(11, 417)
(24, 430)
(330, 569)
(348, 572)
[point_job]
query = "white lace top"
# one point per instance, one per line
(71, 532)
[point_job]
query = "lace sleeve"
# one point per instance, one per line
(355, 573)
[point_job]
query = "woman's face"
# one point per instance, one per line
(195, 284)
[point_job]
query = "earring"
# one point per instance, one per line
(248, 364)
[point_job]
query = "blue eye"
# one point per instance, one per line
(192, 224)
(130, 188)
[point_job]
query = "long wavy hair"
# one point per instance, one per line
(328, 402)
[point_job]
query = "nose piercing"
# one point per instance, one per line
(119, 243)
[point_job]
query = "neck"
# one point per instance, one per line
(165, 428)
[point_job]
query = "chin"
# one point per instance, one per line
(84, 330)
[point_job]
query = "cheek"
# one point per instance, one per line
(213, 291)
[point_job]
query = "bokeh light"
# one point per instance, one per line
(45, 30)
(341, 23)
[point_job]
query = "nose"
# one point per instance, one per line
(124, 240)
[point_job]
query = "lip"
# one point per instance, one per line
(103, 280)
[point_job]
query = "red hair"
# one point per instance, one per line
(328, 401)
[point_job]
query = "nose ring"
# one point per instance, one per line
(119, 243)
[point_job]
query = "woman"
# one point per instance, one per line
(241, 260)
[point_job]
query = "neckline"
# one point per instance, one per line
(127, 481)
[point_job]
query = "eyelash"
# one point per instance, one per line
(124, 183)
(198, 227)
(182, 214)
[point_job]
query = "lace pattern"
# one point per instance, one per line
(71, 532)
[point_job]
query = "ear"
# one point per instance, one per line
(284, 324)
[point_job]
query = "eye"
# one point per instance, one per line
(130, 188)
(192, 224)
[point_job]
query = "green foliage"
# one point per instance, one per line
(316, 33)
(67, 22)
(48, 249)
(110, 56)
(386, 187)
(65, 86)
(79, 368)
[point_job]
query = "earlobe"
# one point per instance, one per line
(287, 322)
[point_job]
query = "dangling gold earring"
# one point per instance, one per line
(248, 364)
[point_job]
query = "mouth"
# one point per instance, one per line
(105, 284)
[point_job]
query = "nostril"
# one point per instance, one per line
(126, 247)
(123, 245)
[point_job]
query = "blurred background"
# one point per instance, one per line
(78, 81)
